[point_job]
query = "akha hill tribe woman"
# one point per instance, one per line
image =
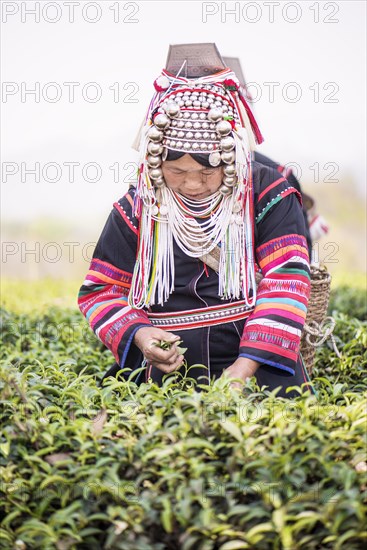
(179, 255)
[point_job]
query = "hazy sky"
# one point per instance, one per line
(310, 54)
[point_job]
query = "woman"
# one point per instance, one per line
(179, 255)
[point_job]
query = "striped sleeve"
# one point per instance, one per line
(272, 332)
(103, 297)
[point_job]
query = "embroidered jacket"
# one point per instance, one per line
(270, 334)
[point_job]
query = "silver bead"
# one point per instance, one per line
(188, 103)
(154, 134)
(225, 190)
(154, 162)
(205, 125)
(202, 116)
(227, 143)
(172, 109)
(203, 146)
(194, 116)
(195, 146)
(188, 124)
(186, 114)
(189, 135)
(213, 136)
(210, 146)
(173, 133)
(180, 124)
(181, 103)
(174, 123)
(206, 135)
(159, 182)
(229, 170)
(197, 135)
(179, 144)
(196, 126)
(224, 128)
(214, 158)
(155, 174)
(187, 145)
(162, 121)
(229, 181)
(205, 105)
(228, 157)
(155, 148)
(181, 134)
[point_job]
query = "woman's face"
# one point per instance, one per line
(191, 179)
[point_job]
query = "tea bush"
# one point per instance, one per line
(146, 468)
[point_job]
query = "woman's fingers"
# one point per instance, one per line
(148, 340)
(152, 352)
(172, 367)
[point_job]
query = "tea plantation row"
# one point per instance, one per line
(145, 468)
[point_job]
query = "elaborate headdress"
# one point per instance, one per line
(206, 115)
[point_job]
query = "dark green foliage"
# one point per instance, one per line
(148, 468)
(349, 300)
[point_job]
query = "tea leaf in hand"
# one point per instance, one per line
(167, 345)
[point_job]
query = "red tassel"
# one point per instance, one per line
(255, 128)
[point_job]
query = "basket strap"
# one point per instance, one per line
(323, 332)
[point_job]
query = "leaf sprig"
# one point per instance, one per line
(163, 344)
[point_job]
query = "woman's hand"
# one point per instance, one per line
(147, 338)
(242, 368)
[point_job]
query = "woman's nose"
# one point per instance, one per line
(193, 180)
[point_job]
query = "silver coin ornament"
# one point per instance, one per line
(229, 181)
(155, 174)
(172, 109)
(224, 190)
(228, 157)
(224, 128)
(227, 143)
(214, 158)
(161, 121)
(154, 134)
(159, 182)
(215, 114)
(154, 162)
(155, 148)
(229, 170)
(165, 153)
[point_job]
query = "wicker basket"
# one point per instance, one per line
(316, 315)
